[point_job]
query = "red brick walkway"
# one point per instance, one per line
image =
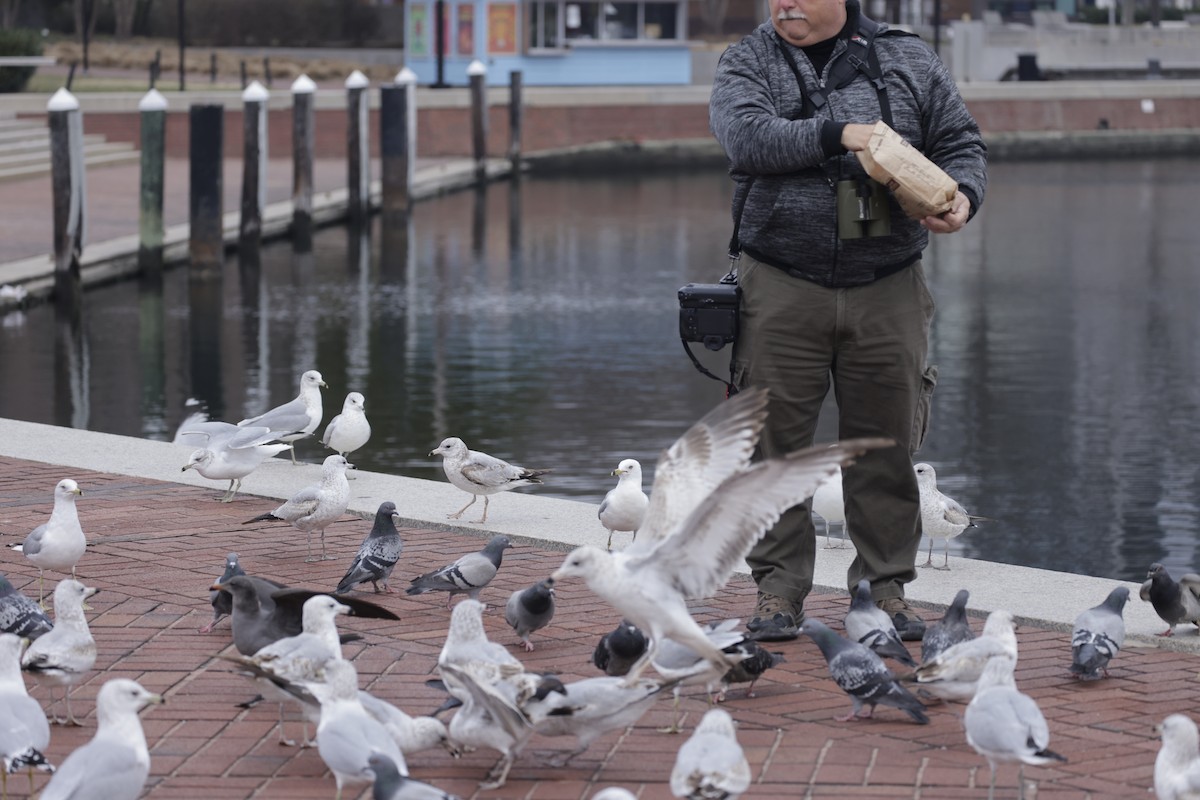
(156, 547)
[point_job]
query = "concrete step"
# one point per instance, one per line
(90, 150)
(39, 144)
(33, 168)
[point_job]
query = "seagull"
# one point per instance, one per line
(619, 649)
(221, 599)
(19, 614)
(868, 624)
(1098, 634)
(115, 763)
(1175, 602)
(683, 666)
(530, 610)
(349, 430)
(378, 554)
(67, 653)
(235, 457)
(1177, 766)
(59, 543)
(954, 673)
(624, 507)
(1003, 724)
(829, 504)
(861, 674)
(614, 793)
(480, 474)
(315, 507)
(389, 784)
(711, 763)
(708, 507)
(469, 574)
(941, 517)
(24, 733)
(411, 734)
(301, 415)
(951, 629)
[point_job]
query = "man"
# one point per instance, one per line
(851, 304)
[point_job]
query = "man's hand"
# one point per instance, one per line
(952, 220)
(855, 136)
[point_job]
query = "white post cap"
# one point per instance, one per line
(62, 100)
(303, 85)
(152, 100)
(405, 76)
(357, 80)
(255, 93)
(476, 67)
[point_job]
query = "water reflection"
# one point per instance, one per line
(537, 321)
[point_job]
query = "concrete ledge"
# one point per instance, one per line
(1033, 595)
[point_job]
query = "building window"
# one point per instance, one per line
(552, 23)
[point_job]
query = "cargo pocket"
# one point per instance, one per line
(924, 404)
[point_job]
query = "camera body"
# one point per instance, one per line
(708, 313)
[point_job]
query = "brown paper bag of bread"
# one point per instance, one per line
(921, 187)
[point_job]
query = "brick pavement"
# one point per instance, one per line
(155, 547)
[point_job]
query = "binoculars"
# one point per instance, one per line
(862, 209)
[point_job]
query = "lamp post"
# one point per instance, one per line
(439, 45)
(182, 45)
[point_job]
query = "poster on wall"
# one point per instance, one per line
(502, 28)
(466, 30)
(416, 38)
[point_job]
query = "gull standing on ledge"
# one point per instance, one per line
(315, 507)
(59, 543)
(480, 474)
(941, 517)
(624, 507)
(708, 507)
(349, 430)
(301, 415)
(235, 456)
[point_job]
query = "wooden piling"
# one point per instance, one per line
(254, 166)
(69, 197)
(514, 120)
(477, 75)
(397, 141)
(205, 185)
(303, 145)
(153, 112)
(358, 147)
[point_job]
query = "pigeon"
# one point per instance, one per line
(757, 660)
(624, 507)
(231, 460)
(221, 599)
(619, 649)
(347, 734)
(829, 504)
(24, 733)
(389, 784)
(708, 507)
(711, 763)
(867, 624)
(264, 612)
(469, 574)
(67, 653)
(683, 666)
(1177, 766)
(1098, 634)
(378, 554)
(315, 507)
(115, 763)
(950, 630)
(1174, 602)
(19, 614)
(861, 674)
(60, 542)
(481, 474)
(954, 673)
(349, 430)
(941, 517)
(302, 415)
(1003, 724)
(530, 610)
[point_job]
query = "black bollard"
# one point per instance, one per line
(303, 144)
(153, 109)
(358, 147)
(477, 75)
(70, 197)
(397, 143)
(205, 183)
(254, 166)
(514, 120)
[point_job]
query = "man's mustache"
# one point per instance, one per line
(793, 14)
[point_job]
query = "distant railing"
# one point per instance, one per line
(27, 61)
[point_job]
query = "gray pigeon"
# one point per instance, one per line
(1098, 635)
(468, 574)
(619, 649)
(221, 599)
(949, 631)
(378, 554)
(19, 614)
(530, 610)
(757, 660)
(1175, 602)
(868, 624)
(391, 785)
(263, 612)
(861, 674)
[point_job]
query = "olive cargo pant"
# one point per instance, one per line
(794, 337)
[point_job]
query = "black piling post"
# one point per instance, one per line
(477, 75)
(67, 181)
(514, 120)
(153, 108)
(254, 166)
(397, 142)
(358, 147)
(205, 183)
(303, 145)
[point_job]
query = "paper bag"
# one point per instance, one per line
(921, 187)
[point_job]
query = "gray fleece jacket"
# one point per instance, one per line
(790, 217)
